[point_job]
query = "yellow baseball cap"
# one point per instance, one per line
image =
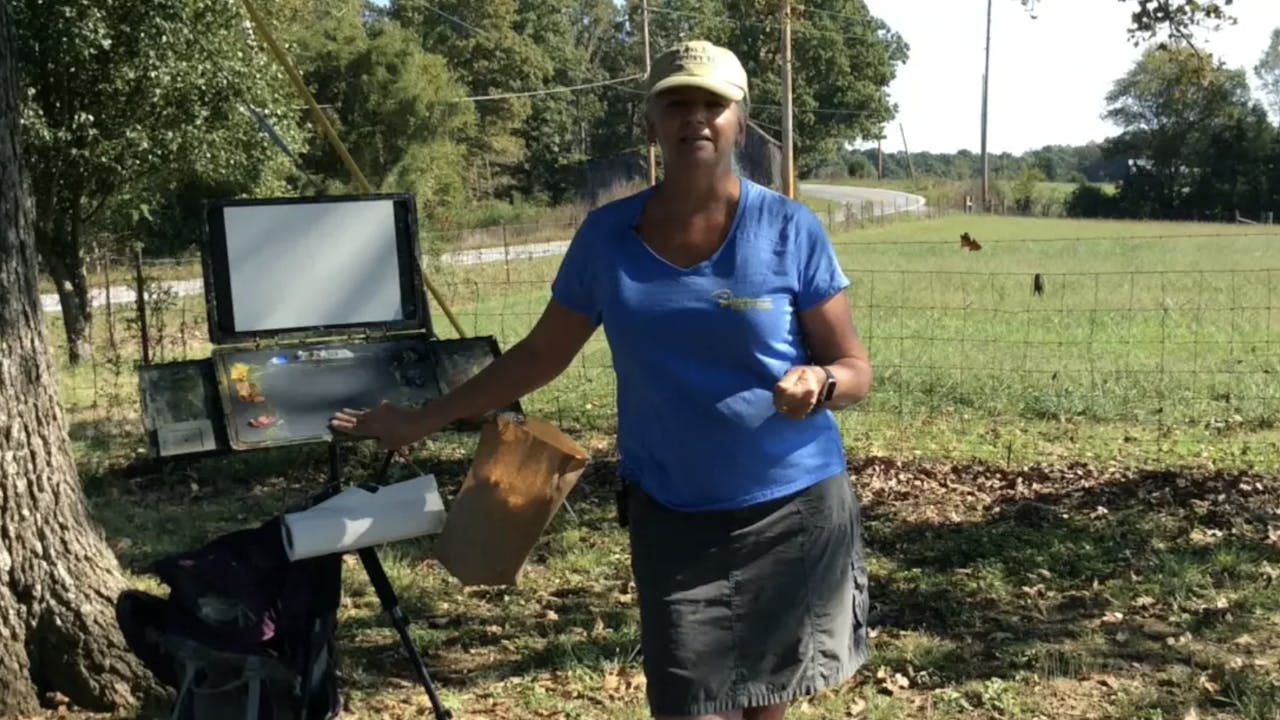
(698, 63)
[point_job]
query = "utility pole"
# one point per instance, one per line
(911, 168)
(653, 162)
(788, 130)
(986, 71)
(879, 158)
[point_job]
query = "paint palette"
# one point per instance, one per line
(274, 397)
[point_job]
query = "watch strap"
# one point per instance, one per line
(828, 389)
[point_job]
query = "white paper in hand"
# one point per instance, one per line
(357, 518)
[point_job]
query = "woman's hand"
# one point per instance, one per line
(797, 393)
(394, 426)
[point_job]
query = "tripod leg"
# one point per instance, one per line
(382, 586)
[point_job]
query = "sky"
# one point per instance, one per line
(1049, 75)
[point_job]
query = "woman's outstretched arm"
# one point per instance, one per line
(536, 360)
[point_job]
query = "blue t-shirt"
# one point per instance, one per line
(697, 351)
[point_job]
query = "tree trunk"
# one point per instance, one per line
(58, 577)
(62, 254)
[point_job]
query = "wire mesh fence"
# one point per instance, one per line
(991, 362)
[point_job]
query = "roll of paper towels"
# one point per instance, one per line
(357, 518)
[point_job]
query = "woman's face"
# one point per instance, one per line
(694, 127)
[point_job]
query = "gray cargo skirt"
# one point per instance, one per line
(751, 607)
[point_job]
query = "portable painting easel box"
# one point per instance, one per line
(313, 305)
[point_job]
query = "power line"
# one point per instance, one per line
(832, 13)
(447, 16)
(799, 25)
(548, 91)
(821, 111)
(756, 121)
(700, 16)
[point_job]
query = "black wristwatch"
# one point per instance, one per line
(828, 389)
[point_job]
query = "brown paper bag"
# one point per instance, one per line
(522, 471)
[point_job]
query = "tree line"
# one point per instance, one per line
(1195, 142)
(135, 113)
(1051, 163)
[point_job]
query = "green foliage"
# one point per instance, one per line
(1175, 20)
(844, 60)
(1268, 73)
(860, 166)
(575, 36)
(1091, 201)
(1057, 163)
(1024, 188)
(1198, 145)
(119, 90)
(137, 114)
(1060, 162)
(397, 108)
(1170, 89)
(481, 43)
(123, 102)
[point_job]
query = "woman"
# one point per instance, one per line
(732, 340)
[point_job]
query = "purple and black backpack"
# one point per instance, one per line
(244, 632)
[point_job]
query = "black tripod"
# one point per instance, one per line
(382, 586)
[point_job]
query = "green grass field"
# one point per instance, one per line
(1070, 497)
(1150, 342)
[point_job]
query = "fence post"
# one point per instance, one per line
(506, 254)
(141, 300)
(111, 324)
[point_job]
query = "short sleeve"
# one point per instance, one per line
(820, 274)
(576, 282)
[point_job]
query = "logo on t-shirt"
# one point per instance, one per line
(725, 299)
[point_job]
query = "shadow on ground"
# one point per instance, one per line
(1064, 571)
(1075, 571)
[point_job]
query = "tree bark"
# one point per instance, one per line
(58, 577)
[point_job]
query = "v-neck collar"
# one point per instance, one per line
(642, 200)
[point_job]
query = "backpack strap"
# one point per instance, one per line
(256, 669)
(187, 680)
(253, 673)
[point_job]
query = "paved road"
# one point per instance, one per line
(497, 254)
(120, 294)
(882, 201)
(478, 256)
